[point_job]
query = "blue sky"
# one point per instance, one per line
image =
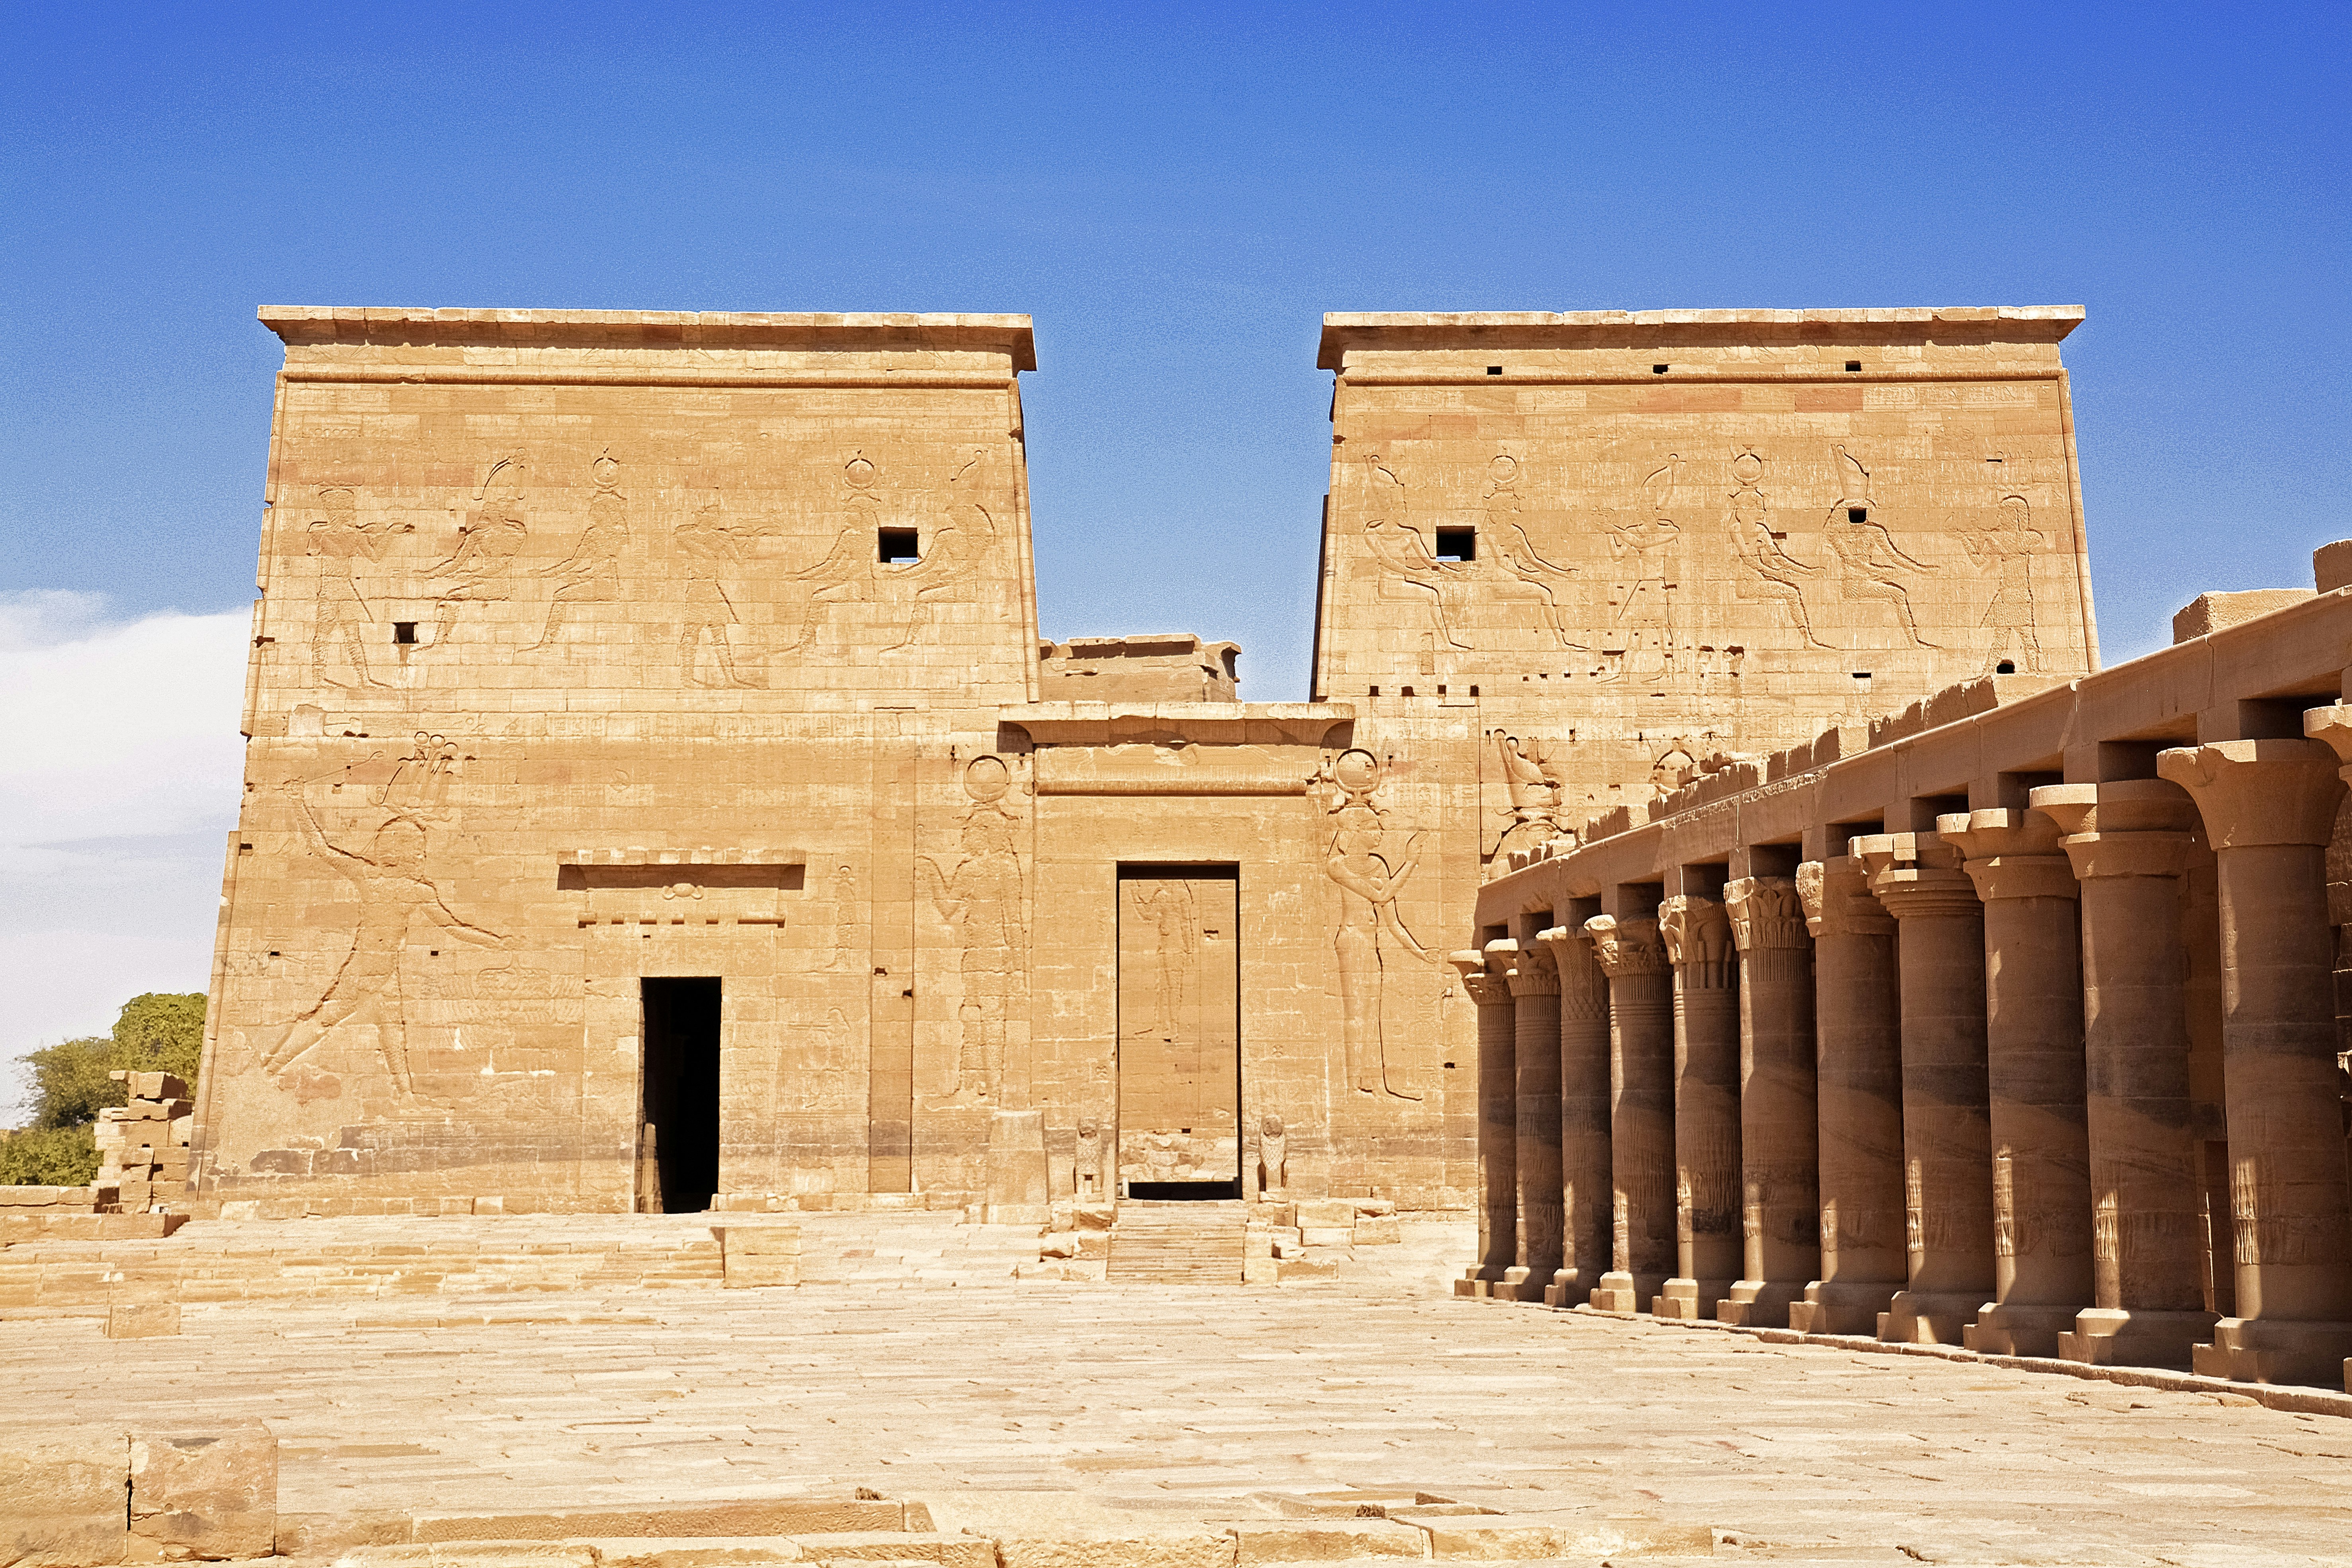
(1176, 194)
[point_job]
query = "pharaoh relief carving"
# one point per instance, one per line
(1530, 574)
(398, 896)
(1771, 575)
(342, 628)
(1370, 944)
(1646, 550)
(982, 897)
(1872, 568)
(2005, 552)
(1532, 776)
(490, 534)
(954, 530)
(591, 574)
(1408, 571)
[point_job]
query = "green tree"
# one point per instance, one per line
(47, 1157)
(158, 1031)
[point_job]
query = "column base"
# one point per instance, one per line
(1568, 1288)
(2114, 1336)
(1478, 1280)
(2018, 1328)
(1622, 1292)
(2261, 1350)
(1843, 1307)
(1928, 1317)
(1519, 1284)
(1758, 1303)
(1688, 1299)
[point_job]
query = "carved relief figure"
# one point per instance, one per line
(961, 540)
(1778, 576)
(1369, 921)
(981, 898)
(339, 542)
(1543, 579)
(488, 541)
(1871, 565)
(395, 895)
(1087, 1166)
(1643, 614)
(590, 574)
(2008, 552)
(1408, 571)
(1167, 905)
(844, 921)
(711, 550)
(1272, 1146)
(1534, 792)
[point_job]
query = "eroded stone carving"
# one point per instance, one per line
(590, 574)
(983, 898)
(1369, 921)
(489, 536)
(2008, 552)
(1870, 565)
(339, 542)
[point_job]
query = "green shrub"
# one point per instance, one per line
(160, 1031)
(47, 1157)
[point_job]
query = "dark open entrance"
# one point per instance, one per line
(679, 1156)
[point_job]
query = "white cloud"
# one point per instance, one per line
(118, 789)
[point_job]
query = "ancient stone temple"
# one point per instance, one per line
(659, 794)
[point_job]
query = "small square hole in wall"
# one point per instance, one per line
(2006, 666)
(1457, 544)
(1853, 364)
(403, 632)
(1405, 692)
(1857, 514)
(1493, 370)
(1657, 370)
(897, 544)
(1375, 691)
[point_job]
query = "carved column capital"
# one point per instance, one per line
(2331, 726)
(1766, 912)
(2125, 827)
(2010, 854)
(1697, 934)
(1627, 947)
(1583, 988)
(1532, 970)
(1486, 987)
(2252, 793)
(1915, 875)
(1838, 901)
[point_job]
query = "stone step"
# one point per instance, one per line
(1177, 1243)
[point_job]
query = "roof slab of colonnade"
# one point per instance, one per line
(1979, 745)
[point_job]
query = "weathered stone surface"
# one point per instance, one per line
(1143, 1549)
(143, 1320)
(1326, 1541)
(718, 1517)
(210, 1495)
(62, 1497)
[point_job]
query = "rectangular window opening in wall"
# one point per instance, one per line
(1375, 691)
(1457, 544)
(403, 632)
(1493, 370)
(898, 545)
(1857, 514)
(1853, 364)
(1405, 692)
(1657, 370)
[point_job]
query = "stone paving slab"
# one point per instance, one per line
(1112, 1411)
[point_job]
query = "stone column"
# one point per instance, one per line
(1947, 1135)
(2033, 1080)
(1859, 1081)
(1779, 1146)
(1585, 1185)
(1535, 1007)
(2128, 841)
(2269, 809)
(1498, 1120)
(1641, 1111)
(1706, 1107)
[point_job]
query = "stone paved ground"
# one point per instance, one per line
(995, 1400)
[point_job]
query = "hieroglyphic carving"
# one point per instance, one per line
(490, 537)
(1779, 577)
(1870, 565)
(1408, 571)
(2008, 553)
(394, 894)
(590, 574)
(962, 535)
(844, 921)
(1642, 610)
(1369, 886)
(339, 542)
(712, 550)
(1531, 778)
(1167, 905)
(1272, 1145)
(981, 898)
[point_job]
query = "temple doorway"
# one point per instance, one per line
(1180, 1032)
(677, 1152)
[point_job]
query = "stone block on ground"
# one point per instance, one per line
(734, 1517)
(757, 1255)
(1490, 1537)
(1326, 1541)
(1379, 1230)
(900, 1546)
(209, 1496)
(751, 1551)
(1325, 1213)
(61, 1499)
(473, 1554)
(143, 1320)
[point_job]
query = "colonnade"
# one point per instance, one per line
(1943, 1086)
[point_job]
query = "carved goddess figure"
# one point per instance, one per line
(395, 895)
(981, 898)
(1368, 921)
